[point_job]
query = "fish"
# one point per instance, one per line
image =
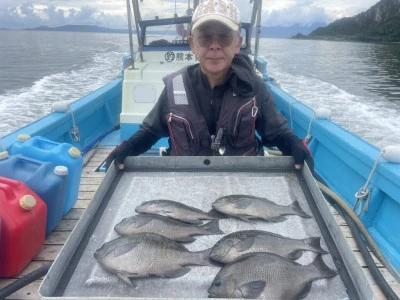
(174, 210)
(170, 228)
(235, 244)
(246, 207)
(267, 276)
(148, 254)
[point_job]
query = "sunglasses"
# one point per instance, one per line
(224, 39)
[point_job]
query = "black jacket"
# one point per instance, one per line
(270, 124)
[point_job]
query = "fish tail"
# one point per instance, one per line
(215, 214)
(323, 270)
(212, 227)
(296, 207)
(203, 258)
(315, 245)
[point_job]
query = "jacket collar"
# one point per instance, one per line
(240, 76)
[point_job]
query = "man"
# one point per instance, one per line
(215, 107)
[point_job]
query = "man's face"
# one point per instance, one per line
(215, 45)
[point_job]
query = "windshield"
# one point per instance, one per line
(167, 22)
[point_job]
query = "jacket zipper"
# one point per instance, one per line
(171, 115)
(254, 113)
(212, 110)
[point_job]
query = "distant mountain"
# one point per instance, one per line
(266, 32)
(289, 31)
(380, 23)
(80, 28)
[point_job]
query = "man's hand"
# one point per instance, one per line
(301, 153)
(118, 155)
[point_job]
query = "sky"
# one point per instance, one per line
(19, 14)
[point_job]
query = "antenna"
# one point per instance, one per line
(137, 19)
(128, 8)
(258, 30)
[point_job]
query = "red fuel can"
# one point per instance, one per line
(23, 226)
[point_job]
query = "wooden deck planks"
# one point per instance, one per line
(90, 181)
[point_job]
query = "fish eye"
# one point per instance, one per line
(218, 282)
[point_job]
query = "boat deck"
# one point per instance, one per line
(90, 181)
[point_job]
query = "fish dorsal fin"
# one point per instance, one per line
(245, 244)
(266, 200)
(269, 234)
(125, 248)
(172, 205)
(251, 290)
(164, 202)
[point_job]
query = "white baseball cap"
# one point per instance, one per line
(223, 11)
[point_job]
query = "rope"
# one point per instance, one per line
(308, 136)
(363, 196)
(74, 130)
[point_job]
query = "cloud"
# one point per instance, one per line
(303, 13)
(15, 17)
(28, 15)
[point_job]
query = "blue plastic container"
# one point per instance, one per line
(63, 154)
(48, 181)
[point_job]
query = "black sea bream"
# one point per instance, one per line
(173, 229)
(267, 276)
(148, 254)
(238, 243)
(247, 207)
(174, 210)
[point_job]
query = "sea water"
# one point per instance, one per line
(358, 82)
